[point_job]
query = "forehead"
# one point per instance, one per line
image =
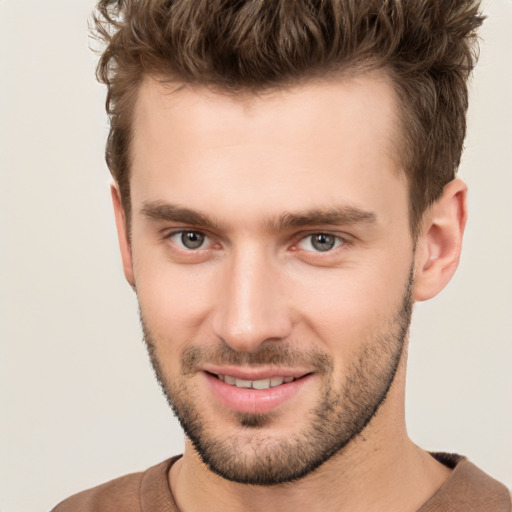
(320, 142)
(309, 107)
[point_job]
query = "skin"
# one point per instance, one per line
(244, 163)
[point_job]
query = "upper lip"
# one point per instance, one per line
(255, 373)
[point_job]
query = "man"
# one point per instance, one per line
(284, 192)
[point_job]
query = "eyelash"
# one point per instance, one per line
(176, 235)
(337, 240)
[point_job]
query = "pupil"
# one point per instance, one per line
(323, 242)
(192, 239)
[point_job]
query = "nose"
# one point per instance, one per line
(252, 305)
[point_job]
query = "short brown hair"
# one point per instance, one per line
(428, 48)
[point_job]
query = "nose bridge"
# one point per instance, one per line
(251, 309)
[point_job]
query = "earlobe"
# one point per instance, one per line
(439, 244)
(122, 235)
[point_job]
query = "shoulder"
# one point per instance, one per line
(468, 488)
(122, 492)
(126, 493)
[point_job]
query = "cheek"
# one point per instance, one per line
(347, 307)
(174, 299)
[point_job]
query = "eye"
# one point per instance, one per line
(190, 240)
(320, 242)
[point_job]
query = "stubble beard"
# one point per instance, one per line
(341, 415)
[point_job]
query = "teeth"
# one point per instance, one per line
(255, 384)
(229, 380)
(261, 384)
(241, 383)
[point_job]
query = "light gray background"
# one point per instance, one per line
(78, 401)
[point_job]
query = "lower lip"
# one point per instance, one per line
(254, 401)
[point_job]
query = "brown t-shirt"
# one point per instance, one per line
(468, 489)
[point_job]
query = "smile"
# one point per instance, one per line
(255, 384)
(259, 393)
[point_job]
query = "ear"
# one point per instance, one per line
(439, 244)
(122, 235)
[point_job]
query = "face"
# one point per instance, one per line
(272, 260)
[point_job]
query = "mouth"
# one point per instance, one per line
(255, 391)
(260, 384)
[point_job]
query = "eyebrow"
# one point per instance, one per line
(161, 211)
(345, 215)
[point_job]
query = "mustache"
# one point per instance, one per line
(193, 358)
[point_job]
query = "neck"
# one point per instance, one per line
(379, 470)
